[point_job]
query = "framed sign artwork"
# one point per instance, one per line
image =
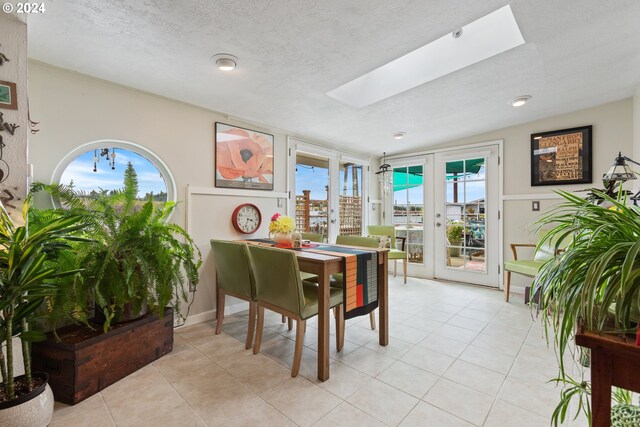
(244, 158)
(561, 156)
(8, 98)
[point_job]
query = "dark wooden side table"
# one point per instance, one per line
(614, 362)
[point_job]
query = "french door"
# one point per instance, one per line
(409, 207)
(328, 191)
(467, 216)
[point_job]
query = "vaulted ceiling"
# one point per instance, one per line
(578, 53)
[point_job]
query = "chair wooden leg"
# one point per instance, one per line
(372, 320)
(219, 310)
(404, 268)
(284, 319)
(507, 285)
(259, 328)
(252, 325)
(395, 267)
(297, 355)
(290, 323)
(339, 328)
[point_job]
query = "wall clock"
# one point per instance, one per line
(246, 218)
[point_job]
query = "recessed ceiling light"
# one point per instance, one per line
(520, 101)
(225, 61)
(399, 135)
(483, 38)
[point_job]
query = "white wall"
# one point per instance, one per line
(13, 39)
(612, 132)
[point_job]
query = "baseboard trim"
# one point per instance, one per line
(207, 316)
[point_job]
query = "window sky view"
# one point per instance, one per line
(80, 171)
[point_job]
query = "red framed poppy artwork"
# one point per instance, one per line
(244, 158)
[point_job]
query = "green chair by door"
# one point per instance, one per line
(395, 254)
(365, 242)
(279, 288)
(234, 277)
(313, 237)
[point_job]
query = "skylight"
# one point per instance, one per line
(483, 38)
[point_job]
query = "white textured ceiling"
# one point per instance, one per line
(578, 53)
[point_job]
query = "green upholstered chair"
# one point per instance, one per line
(394, 253)
(314, 237)
(366, 242)
(279, 288)
(234, 276)
(529, 267)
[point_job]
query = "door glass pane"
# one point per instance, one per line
(465, 215)
(312, 194)
(408, 209)
(350, 199)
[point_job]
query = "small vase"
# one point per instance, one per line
(282, 238)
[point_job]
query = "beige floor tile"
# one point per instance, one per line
(475, 377)
(506, 344)
(344, 380)
(244, 362)
(235, 405)
(130, 386)
(456, 333)
(408, 378)
(359, 335)
(435, 315)
(407, 333)
(503, 413)
(444, 345)
(467, 323)
(466, 403)
(368, 361)
(426, 324)
(202, 381)
(538, 398)
(195, 335)
(152, 401)
(301, 401)
(383, 402)
(183, 416)
(425, 414)
(431, 361)
(475, 312)
(395, 349)
(173, 367)
(91, 412)
(346, 415)
(488, 358)
(262, 381)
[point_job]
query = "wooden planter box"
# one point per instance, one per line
(87, 361)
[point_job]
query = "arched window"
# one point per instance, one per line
(99, 166)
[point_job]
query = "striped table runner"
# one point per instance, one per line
(360, 281)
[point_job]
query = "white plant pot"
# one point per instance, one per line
(32, 410)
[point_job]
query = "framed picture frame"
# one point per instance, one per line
(243, 158)
(8, 96)
(561, 157)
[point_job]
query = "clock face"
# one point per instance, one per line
(246, 218)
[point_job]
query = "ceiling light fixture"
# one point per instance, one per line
(483, 38)
(225, 61)
(385, 176)
(399, 135)
(521, 100)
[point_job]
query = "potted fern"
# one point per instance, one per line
(592, 285)
(29, 273)
(137, 260)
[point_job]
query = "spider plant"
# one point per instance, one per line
(594, 281)
(136, 258)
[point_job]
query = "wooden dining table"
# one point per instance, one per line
(324, 266)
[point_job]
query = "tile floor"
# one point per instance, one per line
(457, 356)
